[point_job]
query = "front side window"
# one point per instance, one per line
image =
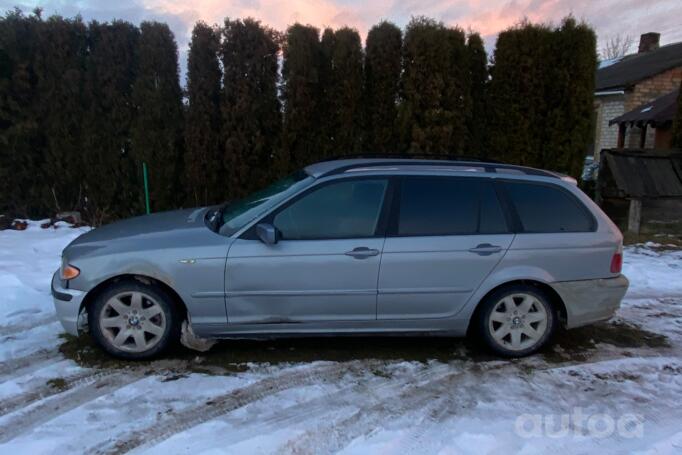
(344, 209)
(235, 215)
(545, 208)
(448, 206)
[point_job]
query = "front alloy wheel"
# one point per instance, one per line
(133, 320)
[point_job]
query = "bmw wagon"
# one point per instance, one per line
(506, 253)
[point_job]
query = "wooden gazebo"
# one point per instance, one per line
(658, 114)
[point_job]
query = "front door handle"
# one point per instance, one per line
(485, 249)
(361, 252)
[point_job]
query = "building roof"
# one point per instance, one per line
(639, 175)
(636, 67)
(659, 111)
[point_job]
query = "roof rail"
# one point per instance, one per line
(423, 156)
(491, 167)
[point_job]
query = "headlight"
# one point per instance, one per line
(68, 272)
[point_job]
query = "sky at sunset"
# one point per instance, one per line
(488, 17)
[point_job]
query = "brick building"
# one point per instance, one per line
(628, 82)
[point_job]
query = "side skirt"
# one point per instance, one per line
(409, 327)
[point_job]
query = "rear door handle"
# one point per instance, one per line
(361, 252)
(485, 249)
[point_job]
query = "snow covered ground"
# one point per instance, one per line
(613, 388)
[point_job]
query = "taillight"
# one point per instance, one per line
(617, 260)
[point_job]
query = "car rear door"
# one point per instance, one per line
(326, 264)
(445, 236)
(557, 233)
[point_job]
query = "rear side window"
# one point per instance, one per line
(448, 206)
(544, 208)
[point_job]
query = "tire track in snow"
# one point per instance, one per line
(334, 436)
(319, 406)
(21, 365)
(436, 413)
(8, 330)
(49, 389)
(23, 421)
(337, 434)
(222, 404)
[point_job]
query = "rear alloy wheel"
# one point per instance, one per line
(134, 321)
(517, 321)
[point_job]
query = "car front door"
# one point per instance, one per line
(325, 265)
(445, 236)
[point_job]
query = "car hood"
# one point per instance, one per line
(145, 227)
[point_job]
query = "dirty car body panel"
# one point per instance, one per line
(375, 273)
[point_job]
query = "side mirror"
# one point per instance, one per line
(267, 233)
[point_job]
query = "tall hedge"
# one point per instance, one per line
(21, 140)
(60, 76)
(111, 69)
(477, 120)
(382, 81)
(345, 100)
(301, 94)
(570, 121)
(325, 106)
(156, 132)
(250, 108)
(204, 169)
(435, 88)
(517, 93)
(83, 106)
(541, 95)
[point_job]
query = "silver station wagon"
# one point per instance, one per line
(353, 246)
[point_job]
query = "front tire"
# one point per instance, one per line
(517, 320)
(133, 320)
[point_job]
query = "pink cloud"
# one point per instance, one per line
(488, 17)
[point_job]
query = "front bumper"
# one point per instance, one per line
(589, 301)
(67, 303)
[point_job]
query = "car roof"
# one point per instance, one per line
(341, 166)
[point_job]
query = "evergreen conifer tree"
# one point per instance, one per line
(60, 77)
(204, 167)
(302, 94)
(541, 95)
(21, 141)
(382, 81)
(477, 130)
(109, 174)
(156, 133)
(250, 108)
(435, 88)
(345, 100)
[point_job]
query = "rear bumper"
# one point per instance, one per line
(589, 301)
(67, 304)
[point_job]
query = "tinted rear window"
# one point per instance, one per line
(448, 206)
(544, 208)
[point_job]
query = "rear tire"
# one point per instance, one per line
(134, 321)
(516, 320)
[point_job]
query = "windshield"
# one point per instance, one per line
(236, 214)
